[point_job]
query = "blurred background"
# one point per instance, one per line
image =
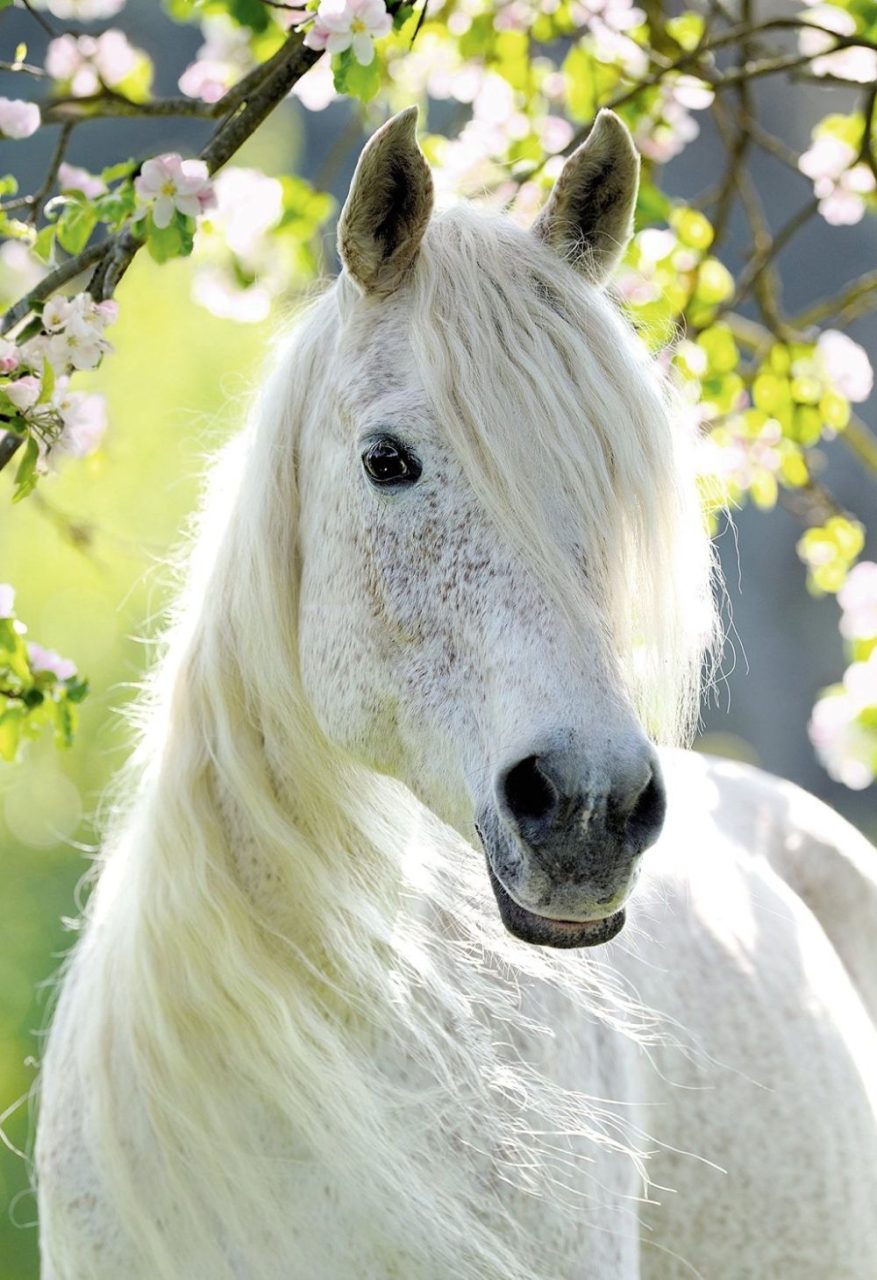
(88, 552)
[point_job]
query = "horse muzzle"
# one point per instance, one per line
(563, 854)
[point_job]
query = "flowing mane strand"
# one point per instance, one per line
(259, 920)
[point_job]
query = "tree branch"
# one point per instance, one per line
(106, 104)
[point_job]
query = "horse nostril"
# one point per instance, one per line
(647, 816)
(530, 796)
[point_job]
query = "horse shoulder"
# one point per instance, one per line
(767, 1078)
(828, 864)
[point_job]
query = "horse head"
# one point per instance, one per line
(499, 559)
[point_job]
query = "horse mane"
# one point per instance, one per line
(259, 918)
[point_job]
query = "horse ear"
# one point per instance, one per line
(589, 215)
(388, 206)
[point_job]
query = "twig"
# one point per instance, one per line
(855, 300)
(861, 442)
(869, 111)
(767, 141)
(40, 19)
(760, 260)
(36, 200)
(25, 68)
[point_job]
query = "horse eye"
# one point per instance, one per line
(386, 461)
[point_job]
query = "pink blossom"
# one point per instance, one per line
(216, 288)
(828, 157)
(858, 600)
(24, 392)
(20, 270)
(847, 365)
(170, 185)
(87, 62)
(860, 683)
(248, 205)
(18, 119)
(838, 181)
(346, 24)
(854, 64)
(620, 15)
(222, 59)
(70, 178)
(843, 744)
(654, 245)
(671, 126)
(316, 88)
(9, 356)
(107, 312)
(82, 10)
(47, 660)
(7, 600)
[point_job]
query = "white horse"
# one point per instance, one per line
(449, 587)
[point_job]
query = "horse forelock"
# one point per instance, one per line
(571, 437)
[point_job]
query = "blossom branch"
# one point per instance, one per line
(51, 283)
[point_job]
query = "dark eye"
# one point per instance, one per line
(386, 461)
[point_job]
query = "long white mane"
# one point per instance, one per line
(268, 910)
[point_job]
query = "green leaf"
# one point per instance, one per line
(26, 475)
(77, 689)
(8, 636)
(47, 386)
(44, 243)
(65, 722)
(250, 13)
(114, 207)
(76, 224)
(10, 732)
(137, 84)
(115, 171)
(353, 79)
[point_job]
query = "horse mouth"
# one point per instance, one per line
(543, 931)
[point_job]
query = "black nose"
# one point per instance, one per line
(545, 796)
